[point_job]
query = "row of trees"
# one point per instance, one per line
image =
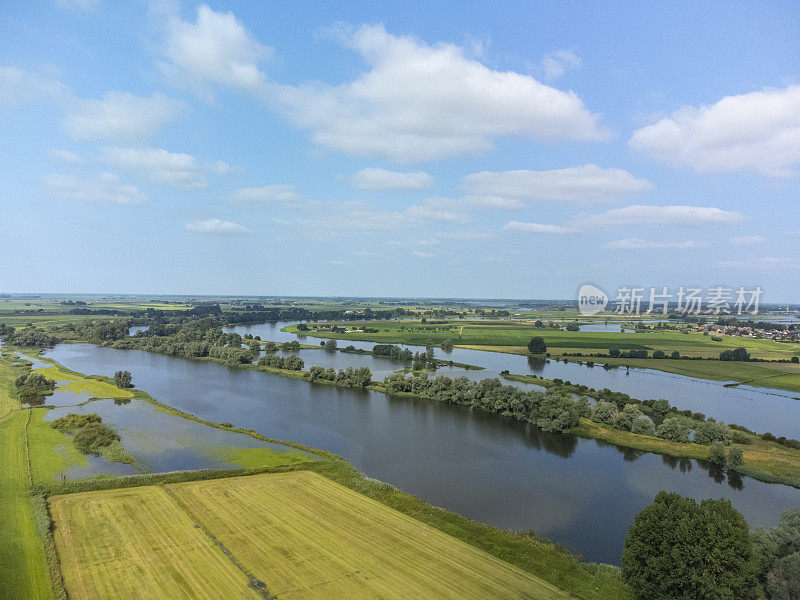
(291, 363)
(350, 377)
(551, 411)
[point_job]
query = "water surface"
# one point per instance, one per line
(580, 493)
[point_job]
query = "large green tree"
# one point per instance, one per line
(678, 549)
(537, 345)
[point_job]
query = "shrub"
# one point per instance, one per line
(643, 426)
(716, 453)
(709, 432)
(674, 429)
(628, 415)
(605, 412)
(735, 458)
(91, 438)
(73, 422)
(783, 581)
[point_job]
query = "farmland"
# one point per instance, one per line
(299, 533)
(512, 337)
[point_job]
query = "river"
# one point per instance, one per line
(580, 493)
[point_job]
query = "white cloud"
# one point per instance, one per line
(642, 244)
(20, 87)
(580, 185)
(435, 209)
(535, 227)
(636, 215)
(658, 216)
(103, 188)
(215, 49)
(748, 240)
(216, 226)
(559, 62)
(419, 254)
(285, 196)
(158, 165)
(759, 131)
(420, 102)
(381, 179)
(66, 157)
(768, 263)
(120, 115)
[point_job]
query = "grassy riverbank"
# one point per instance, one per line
(766, 461)
(24, 572)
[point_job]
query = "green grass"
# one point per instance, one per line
(52, 452)
(301, 534)
(24, 573)
(512, 337)
(517, 334)
(95, 389)
(254, 458)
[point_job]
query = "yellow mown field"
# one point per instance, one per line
(301, 534)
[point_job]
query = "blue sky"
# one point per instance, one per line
(504, 149)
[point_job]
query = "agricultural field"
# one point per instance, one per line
(298, 534)
(514, 336)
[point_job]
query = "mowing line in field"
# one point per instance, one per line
(253, 581)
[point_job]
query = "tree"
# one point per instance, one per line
(643, 426)
(614, 352)
(122, 379)
(447, 345)
(605, 412)
(675, 430)
(660, 408)
(710, 431)
(735, 458)
(740, 354)
(783, 581)
(677, 549)
(627, 416)
(537, 345)
(659, 354)
(716, 454)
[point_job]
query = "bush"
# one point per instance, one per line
(674, 429)
(91, 438)
(605, 412)
(628, 415)
(73, 422)
(709, 432)
(659, 354)
(735, 458)
(783, 581)
(643, 426)
(716, 453)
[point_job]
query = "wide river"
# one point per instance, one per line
(580, 493)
